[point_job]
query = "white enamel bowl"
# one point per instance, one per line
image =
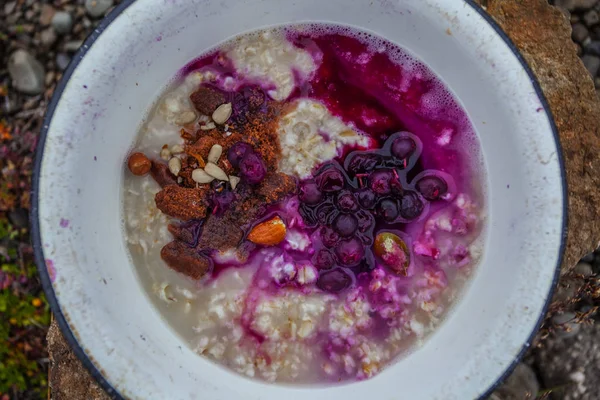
(92, 122)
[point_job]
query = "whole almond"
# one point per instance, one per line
(268, 233)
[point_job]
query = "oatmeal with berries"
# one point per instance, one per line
(305, 204)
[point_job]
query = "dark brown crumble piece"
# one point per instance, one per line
(215, 215)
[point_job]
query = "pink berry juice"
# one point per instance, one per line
(381, 236)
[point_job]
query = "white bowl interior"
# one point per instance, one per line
(96, 120)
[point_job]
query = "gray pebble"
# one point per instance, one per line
(584, 269)
(73, 46)
(589, 258)
(19, 218)
(46, 14)
(521, 384)
(566, 326)
(62, 61)
(592, 63)
(48, 37)
(62, 22)
(97, 8)
(10, 7)
(580, 33)
(26, 72)
(576, 5)
(591, 18)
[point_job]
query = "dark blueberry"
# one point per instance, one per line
(331, 180)
(222, 201)
(334, 281)
(411, 205)
(345, 224)
(432, 187)
(396, 188)
(252, 168)
(387, 209)
(237, 152)
(380, 181)
(365, 220)
(329, 237)
(362, 162)
(350, 252)
(366, 198)
(403, 147)
(326, 213)
(323, 259)
(308, 216)
(310, 193)
(346, 201)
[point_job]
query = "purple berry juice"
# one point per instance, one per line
(314, 208)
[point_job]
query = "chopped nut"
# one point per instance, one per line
(200, 176)
(176, 149)
(216, 172)
(165, 153)
(208, 127)
(186, 117)
(139, 164)
(222, 113)
(233, 181)
(175, 165)
(215, 153)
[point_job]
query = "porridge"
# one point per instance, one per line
(305, 204)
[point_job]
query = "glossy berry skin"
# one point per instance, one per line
(324, 259)
(310, 193)
(334, 281)
(345, 225)
(331, 180)
(350, 252)
(237, 152)
(403, 147)
(411, 206)
(432, 187)
(252, 168)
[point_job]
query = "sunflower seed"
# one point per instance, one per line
(215, 153)
(200, 176)
(175, 165)
(216, 172)
(233, 181)
(222, 113)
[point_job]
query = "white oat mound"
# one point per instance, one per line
(310, 135)
(270, 57)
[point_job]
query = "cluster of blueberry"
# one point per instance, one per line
(350, 204)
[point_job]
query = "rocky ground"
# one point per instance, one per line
(38, 40)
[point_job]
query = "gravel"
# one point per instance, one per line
(97, 8)
(62, 22)
(26, 72)
(48, 37)
(62, 61)
(592, 63)
(522, 384)
(572, 366)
